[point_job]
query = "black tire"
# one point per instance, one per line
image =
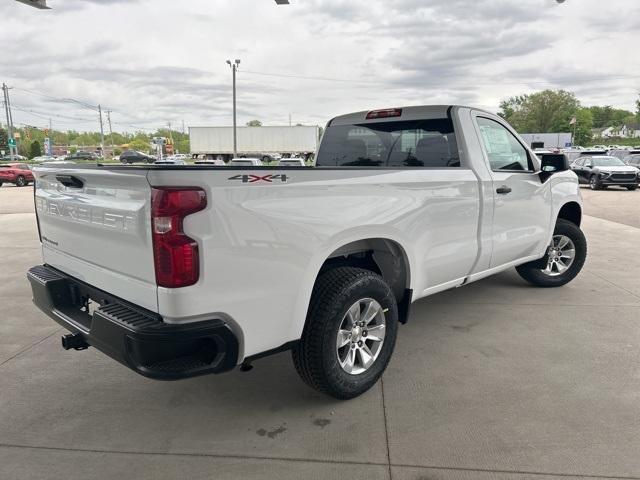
(533, 273)
(0, 184)
(594, 183)
(632, 187)
(21, 181)
(266, 158)
(315, 356)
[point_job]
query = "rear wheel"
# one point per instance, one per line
(350, 333)
(21, 181)
(565, 257)
(0, 183)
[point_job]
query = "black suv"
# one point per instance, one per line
(604, 171)
(132, 156)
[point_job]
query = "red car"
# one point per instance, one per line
(16, 173)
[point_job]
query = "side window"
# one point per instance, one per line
(505, 152)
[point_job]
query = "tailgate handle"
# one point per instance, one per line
(70, 181)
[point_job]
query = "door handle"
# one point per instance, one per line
(503, 190)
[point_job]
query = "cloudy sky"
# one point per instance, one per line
(157, 61)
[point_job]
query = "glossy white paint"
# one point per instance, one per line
(263, 243)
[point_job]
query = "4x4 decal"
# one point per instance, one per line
(250, 178)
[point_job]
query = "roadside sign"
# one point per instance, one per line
(47, 146)
(16, 135)
(12, 142)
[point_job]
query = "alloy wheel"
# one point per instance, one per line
(360, 336)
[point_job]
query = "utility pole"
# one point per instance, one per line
(110, 130)
(7, 109)
(183, 127)
(101, 131)
(234, 67)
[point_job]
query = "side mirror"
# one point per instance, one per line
(551, 164)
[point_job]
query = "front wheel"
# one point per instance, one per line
(564, 259)
(632, 187)
(594, 183)
(350, 333)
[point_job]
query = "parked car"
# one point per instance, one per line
(213, 161)
(245, 162)
(603, 171)
(168, 161)
(17, 173)
(133, 156)
(179, 156)
(80, 155)
(43, 158)
(7, 158)
(205, 269)
(632, 160)
(291, 162)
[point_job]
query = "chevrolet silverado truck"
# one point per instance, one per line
(178, 271)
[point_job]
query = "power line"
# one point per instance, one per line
(437, 81)
(25, 109)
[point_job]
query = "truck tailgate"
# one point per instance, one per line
(95, 225)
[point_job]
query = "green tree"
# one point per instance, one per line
(545, 111)
(254, 123)
(139, 144)
(35, 150)
(4, 137)
(638, 108)
(584, 124)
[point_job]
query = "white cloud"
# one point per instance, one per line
(154, 61)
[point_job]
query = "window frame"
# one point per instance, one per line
(530, 162)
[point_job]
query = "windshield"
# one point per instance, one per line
(607, 162)
(412, 143)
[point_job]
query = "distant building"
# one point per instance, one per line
(547, 140)
(629, 130)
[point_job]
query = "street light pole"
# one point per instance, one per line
(101, 132)
(234, 67)
(5, 91)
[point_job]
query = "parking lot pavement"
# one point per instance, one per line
(497, 380)
(615, 203)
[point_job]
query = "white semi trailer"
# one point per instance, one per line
(259, 142)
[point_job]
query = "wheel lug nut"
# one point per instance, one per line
(360, 343)
(364, 334)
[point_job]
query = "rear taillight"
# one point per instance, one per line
(175, 254)
(386, 113)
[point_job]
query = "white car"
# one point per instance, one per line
(178, 156)
(170, 161)
(198, 270)
(245, 162)
(212, 161)
(291, 162)
(43, 158)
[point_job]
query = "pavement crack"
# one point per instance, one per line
(29, 347)
(386, 428)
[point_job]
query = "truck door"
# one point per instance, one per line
(522, 203)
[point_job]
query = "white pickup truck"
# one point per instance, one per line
(177, 271)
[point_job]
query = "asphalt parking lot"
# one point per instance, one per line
(496, 380)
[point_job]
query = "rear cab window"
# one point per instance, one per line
(396, 144)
